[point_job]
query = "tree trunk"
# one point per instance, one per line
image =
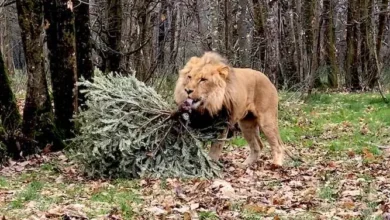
(214, 17)
(259, 35)
(315, 51)
(9, 115)
(10, 119)
(301, 53)
(381, 29)
(308, 19)
(367, 60)
(243, 53)
(288, 46)
(162, 24)
(114, 14)
(381, 26)
(227, 20)
(272, 64)
(83, 45)
(37, 116)
(62, 58)
(330, 44)
(351, 66)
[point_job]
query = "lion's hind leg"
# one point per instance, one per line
(250, 131)
(269, 126)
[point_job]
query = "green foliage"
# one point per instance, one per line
(128, 131)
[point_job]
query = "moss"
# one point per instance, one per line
(9, 114)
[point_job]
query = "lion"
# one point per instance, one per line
(248, 95)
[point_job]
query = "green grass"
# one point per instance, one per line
(39, 190)
(341, 115)
(208, 215)
(327, 193)
(29, 194)
(123, 198)
(331, 123)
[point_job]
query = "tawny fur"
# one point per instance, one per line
(247, 94)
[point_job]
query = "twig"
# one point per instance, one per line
(381, 92)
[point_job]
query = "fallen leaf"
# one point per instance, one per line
(256, 208)
(349, 205)
(182, 209)
(156, 210)
(225, 189)
(351, 193)
(271, 210)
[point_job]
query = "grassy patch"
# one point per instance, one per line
(32, 192)
(120, 197)
(327, 127)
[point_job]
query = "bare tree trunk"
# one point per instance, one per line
(62, 57)
(272, 65)
(227, 19)
(307, 22)
(314, 79)
(381, 28)
(174, 32)
(214, 16)
(37, 116)
(330, 44)
(243, 53)
(351, 66)
(9, 115)
(114, 32)
(162, 24)
(260, 38)
(367, 59)
(288, 46)
(10, 119)
(301, 54)
(83, 45)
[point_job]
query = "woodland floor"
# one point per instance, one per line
(344, 140)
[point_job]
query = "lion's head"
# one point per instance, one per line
(203, 80)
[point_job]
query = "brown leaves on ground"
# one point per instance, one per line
(325, 188)
(340, 189)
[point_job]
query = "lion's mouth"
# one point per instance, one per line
(196, 103)
(193, 103)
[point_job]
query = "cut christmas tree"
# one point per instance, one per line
(130, 131)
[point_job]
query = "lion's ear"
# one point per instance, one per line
(223, 71)
(184, 71)
(193, 60)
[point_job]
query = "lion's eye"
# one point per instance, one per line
(203, 79)
(189, 77)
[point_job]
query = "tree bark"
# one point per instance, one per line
(10, 120)
(367, 60)
(288, 46)
(273, 60)
(243, 53)
(227, 20)
(330, 44)
(351, 66)
(114, 14)
(214, 27)
(83, 46)
(381, 29)
(62, 57)
(37, 116)
(301, 53)
(308, 18)
(162, 32)
(9, 115)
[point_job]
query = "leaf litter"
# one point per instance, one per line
(355, 184)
